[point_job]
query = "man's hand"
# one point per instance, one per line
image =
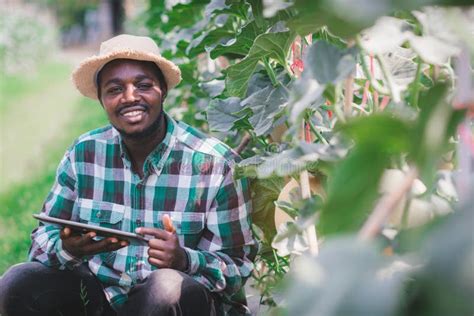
(165, 251)
(83, 245)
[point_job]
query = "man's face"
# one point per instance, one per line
(131, 95)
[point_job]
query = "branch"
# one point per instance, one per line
(243, 143)
(385, 207)
(348, 95)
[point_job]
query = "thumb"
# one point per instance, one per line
(168, 224)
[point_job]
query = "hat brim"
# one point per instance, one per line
(84, 75)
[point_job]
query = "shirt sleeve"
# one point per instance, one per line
(225, 253)
(46, 244)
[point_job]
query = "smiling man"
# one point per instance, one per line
(144, 173)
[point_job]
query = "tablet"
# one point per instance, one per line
(132, 238)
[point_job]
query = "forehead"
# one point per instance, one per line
(123, 68)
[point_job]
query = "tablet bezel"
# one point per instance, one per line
(101, 231)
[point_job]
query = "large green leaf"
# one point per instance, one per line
(346, 18)
(325, 63)
(241, 44)
(265, 192)
(436, 124)
(265, 104)
(182, 15)
(353, 183)
(344, 279)
(269, 45)
(330, 64)
(222, 114)
(210, 38)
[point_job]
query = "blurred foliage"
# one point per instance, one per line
(69, 12)
(27, 39)
(346, 90)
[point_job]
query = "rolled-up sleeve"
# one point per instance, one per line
(46, 244)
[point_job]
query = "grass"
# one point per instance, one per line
(26, 198)
(14, 87)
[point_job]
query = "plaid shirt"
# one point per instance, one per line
(188, 176)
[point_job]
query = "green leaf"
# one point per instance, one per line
(183, 15)
(437, 122)
(241, 44)
(344, 279)
(346, 18)
(265, 104)
(305, 93)
(213, 88)
(270, 8)
(222, 114)
(353, 183)
(294, 160)
(265, 193)
(328, 63)
(274, 45)
(210, 38)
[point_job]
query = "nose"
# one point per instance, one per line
(129, 94)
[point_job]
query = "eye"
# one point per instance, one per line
(114, 90)
(144, 86)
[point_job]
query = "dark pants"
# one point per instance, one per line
(34, 289)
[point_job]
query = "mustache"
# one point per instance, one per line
(140, 106)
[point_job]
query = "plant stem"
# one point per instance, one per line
(243, 143)
(276, 259)
(385, 207)
(416, 85)
(348, 95)
(306, 194)
(270, 72)
(317, 133)
(367, 73)
(337, 106)
(388, 77)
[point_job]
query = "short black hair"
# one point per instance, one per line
(154, 68)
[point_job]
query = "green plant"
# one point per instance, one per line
(353, 95)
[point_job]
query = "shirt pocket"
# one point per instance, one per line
(101, 213)
(189, 226)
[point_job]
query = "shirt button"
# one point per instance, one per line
(99, 214)
(138, 222)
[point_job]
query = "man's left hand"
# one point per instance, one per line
(164, 251)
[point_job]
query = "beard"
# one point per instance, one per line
(148, 132)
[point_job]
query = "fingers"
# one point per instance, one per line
(155, 232)
(157, 262)
(168, 224)
(74, 238)
(83, 245)
(104, 245)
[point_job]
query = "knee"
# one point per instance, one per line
(165, 284)
(14, 284)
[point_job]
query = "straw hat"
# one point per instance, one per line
(122, 46)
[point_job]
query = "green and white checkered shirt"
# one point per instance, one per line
(188, 176)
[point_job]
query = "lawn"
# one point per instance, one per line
(33, 142)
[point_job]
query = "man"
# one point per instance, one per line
(142, 170)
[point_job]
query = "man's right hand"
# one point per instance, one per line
(84, 245)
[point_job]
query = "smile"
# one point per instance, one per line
(133, 114)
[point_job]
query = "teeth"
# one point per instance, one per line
(133, 113)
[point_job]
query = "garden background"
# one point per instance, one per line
(354, 120)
